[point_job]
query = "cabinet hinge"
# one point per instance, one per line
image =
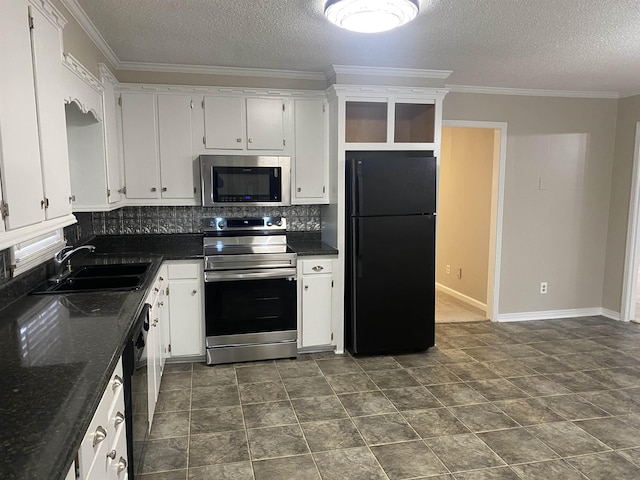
(108, 192)
(283, 107)
(284, 142)
(167, 290)
(323, 108)
(202, 103)
(324, 189)
(204, 140)
(123, 190)
(169, 348)
(44, 203)
(191, 103)
(30, 22)
(72, 198)
(332, 336)
(4, 209)
(195, 190)
(331, 283)
(120, 100)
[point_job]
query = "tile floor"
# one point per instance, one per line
(557, 399)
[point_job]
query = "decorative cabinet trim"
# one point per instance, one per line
(89, 101)
(49, 11)
(137, 87)
(82, 73)
(105, 73)
(392, 72)
(374, 91)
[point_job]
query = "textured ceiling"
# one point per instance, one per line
(586, 45)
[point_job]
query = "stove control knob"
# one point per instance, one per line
(279, 223)
(221, 225)
(269, 224)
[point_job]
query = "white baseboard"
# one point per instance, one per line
(551, 314)
(462, 297)
(611, 314)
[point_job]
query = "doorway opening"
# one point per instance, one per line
(630, 305)
(468, 242)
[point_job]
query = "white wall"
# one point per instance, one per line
(554, 232)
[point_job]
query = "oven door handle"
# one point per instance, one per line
(234, 275)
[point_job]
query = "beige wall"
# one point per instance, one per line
(464, 210)
(77, 43)
(628, 116)
(555, 231)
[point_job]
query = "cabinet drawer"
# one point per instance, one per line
(311, 267)
(102, 424)
(184, 271)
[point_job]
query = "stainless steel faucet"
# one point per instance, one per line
(61, 257)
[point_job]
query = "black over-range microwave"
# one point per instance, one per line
(245, 180)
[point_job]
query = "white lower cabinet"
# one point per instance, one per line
(316, 289)
(103, 451)
(186, 308)
(155, 359)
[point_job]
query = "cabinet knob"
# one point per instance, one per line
(161, 304)
(194, 292)
(122, 464)
(164, 189)
(306, 287)
(251, 140)
(153, 189)
(239, 140)
(161, 279)
(112, 455)
(299, 189)
(117, 381)
(119, 419)
(99, 436)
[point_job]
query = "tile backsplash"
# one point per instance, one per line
(146, 220)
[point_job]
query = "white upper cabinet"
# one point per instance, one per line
(140, 142)
(20, 152)
(310, 165)
(47, 60)
(34, 164)
(265, 124)
(176, 154)
(224, 120)
(157, 144)
(245, 123)
(112, 150)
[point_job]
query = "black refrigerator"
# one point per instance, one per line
(390, 250)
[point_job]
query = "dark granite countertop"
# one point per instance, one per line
(189, 246)
(57, 353)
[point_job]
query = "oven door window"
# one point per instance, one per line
(250, 306)
(250, 184)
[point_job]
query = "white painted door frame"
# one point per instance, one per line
(497, 211)
(632, 255)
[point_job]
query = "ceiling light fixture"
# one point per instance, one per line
(370, 16)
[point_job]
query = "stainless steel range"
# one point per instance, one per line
(250, 290)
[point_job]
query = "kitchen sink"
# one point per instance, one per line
(97, 278)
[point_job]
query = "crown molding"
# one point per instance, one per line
(530, 92)
(388, 72)
(230, 71)
(90, 29)
(629, 94)
(50, 11)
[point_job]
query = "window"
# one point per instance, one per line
(30, 253)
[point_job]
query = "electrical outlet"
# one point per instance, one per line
(448, 269)
(543, 288)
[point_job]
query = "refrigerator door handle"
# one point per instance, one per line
(358, 248)
(357, 198)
